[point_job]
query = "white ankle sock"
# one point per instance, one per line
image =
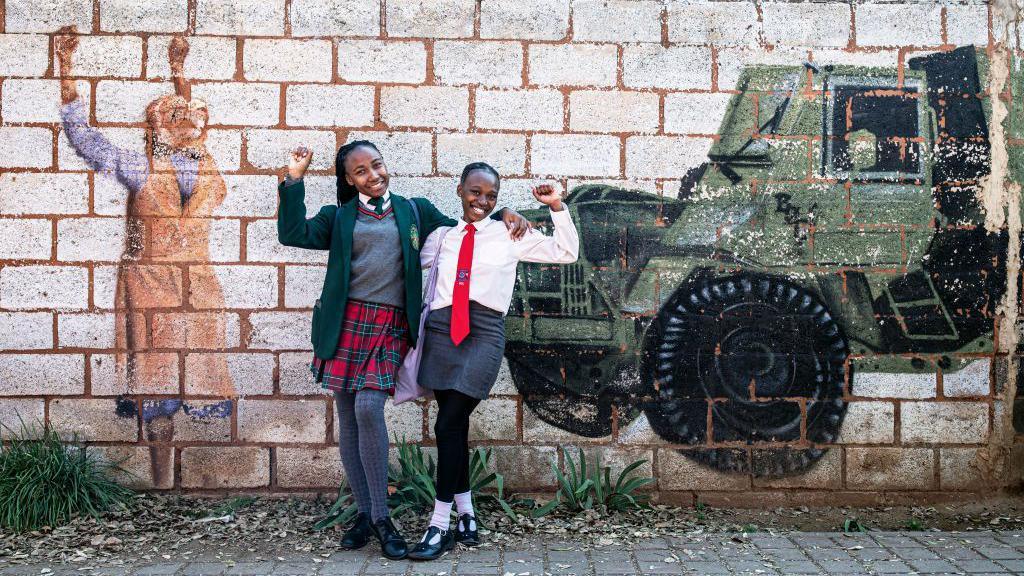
(442, 515)
(464, 503)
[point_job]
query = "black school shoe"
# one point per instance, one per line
(465, 531)
(359, 534)
(392, 545)
(434, 544)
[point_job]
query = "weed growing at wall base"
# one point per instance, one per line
(45, 482)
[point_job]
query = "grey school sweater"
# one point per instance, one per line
(377, 274)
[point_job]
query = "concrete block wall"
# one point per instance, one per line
(628, 93)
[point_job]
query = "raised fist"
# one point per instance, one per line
(298, 162)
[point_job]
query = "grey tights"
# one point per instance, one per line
(363, 443)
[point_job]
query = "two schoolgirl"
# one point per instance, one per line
(368, 314)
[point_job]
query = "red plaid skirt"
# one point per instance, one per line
(373, 342)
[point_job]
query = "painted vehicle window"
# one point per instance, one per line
(874, 130)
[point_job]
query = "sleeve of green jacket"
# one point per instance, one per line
(293, 228)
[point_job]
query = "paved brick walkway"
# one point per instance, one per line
(973, 553)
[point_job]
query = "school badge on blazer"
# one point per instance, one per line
(414, 236)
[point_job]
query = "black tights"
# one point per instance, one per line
(452, 433)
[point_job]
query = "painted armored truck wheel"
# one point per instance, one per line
(749, 354)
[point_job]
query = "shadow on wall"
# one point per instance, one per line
(834, 223)
(173, 190)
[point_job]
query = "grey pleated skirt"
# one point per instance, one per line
(472, 366)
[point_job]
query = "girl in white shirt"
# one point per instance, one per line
(465, 334)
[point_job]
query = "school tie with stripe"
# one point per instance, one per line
(378, 206)
(460, 293)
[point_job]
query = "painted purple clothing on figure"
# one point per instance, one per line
(130, 167)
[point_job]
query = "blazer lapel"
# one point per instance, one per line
(403, 218)
(346, 224)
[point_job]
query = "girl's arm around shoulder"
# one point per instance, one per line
(293, 228)
(430, 248)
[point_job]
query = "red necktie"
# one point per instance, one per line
(460, 293)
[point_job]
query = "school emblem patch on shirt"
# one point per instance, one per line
(414, 236)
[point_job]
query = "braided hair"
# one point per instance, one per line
(474, 166)
(347, 191)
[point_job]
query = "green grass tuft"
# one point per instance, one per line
(46, 482)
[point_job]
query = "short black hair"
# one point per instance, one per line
(347, 191)
(474, 166)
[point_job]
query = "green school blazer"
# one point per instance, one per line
(325, 232)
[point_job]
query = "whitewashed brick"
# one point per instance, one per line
(719, 23)
(18, 412)
(425, 106)
(36, 193)
(92, 420)
(439, 190)
(224, 240)
(677, 68)
(287, 60)
(335, 17)
(574, 155)
(47, 15)
(41, 374)
(149, 16)
(482, 63)
(876, 58)
(313, 105)
(126, 101)
(806, 23)
(868, 423)
(944, 422)
(24, 54)
(261, 245)
(393, 62)
(244, 287)
(212, 467)
(966, 24)
(114, 56)
(965, 468)
(308, 467)
(733, 61)
(225, 146)
(282, 420)
(90, 239)
(592, 64)
(280, 330)
(879, 468)
(133, 139)
(520, 109)
(26, 147)
(405, 153)
(32, 100)
(110, 197)
(320, 191)
(617, 20)
(434, 19)
(250, 196)
(157, 374)
(85, 330)
(506, 152)
(26, 331)
(691, 113)
(252, 374)
(664, 156)
(970, 378)
(530, 19)
(240, 103)
(613, 111)
(295, 375)
(104, 286)
(890, 385)
(25, 239)
(302, 285)
(209, 58)
(270, 148)
(58, 287)
(899, 24)
(240, 17)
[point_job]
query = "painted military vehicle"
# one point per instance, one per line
(836, 216)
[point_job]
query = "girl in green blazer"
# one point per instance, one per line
(367, 316)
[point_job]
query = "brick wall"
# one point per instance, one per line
(631, 93)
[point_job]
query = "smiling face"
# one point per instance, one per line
(479, 194)
(366, 171)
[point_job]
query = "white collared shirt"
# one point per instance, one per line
(495, 257)
(365, 200)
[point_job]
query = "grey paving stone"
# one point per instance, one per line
(768, 541)
(915, 554)
(787, 554)
(297, 569)
(978, 566)
(798, 567)
(1013, 565)
(932, 566)
(890, 567)
(203, 569)
(464, 568)
(350, 568)
(831, 553)
(872, 554)
(706, 567)
(842, 567)
(158, 569)
(1001, 552)
(251, 568)
(614, 568)
(894, 540)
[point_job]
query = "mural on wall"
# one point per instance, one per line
(173, 190)
(837, 216)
